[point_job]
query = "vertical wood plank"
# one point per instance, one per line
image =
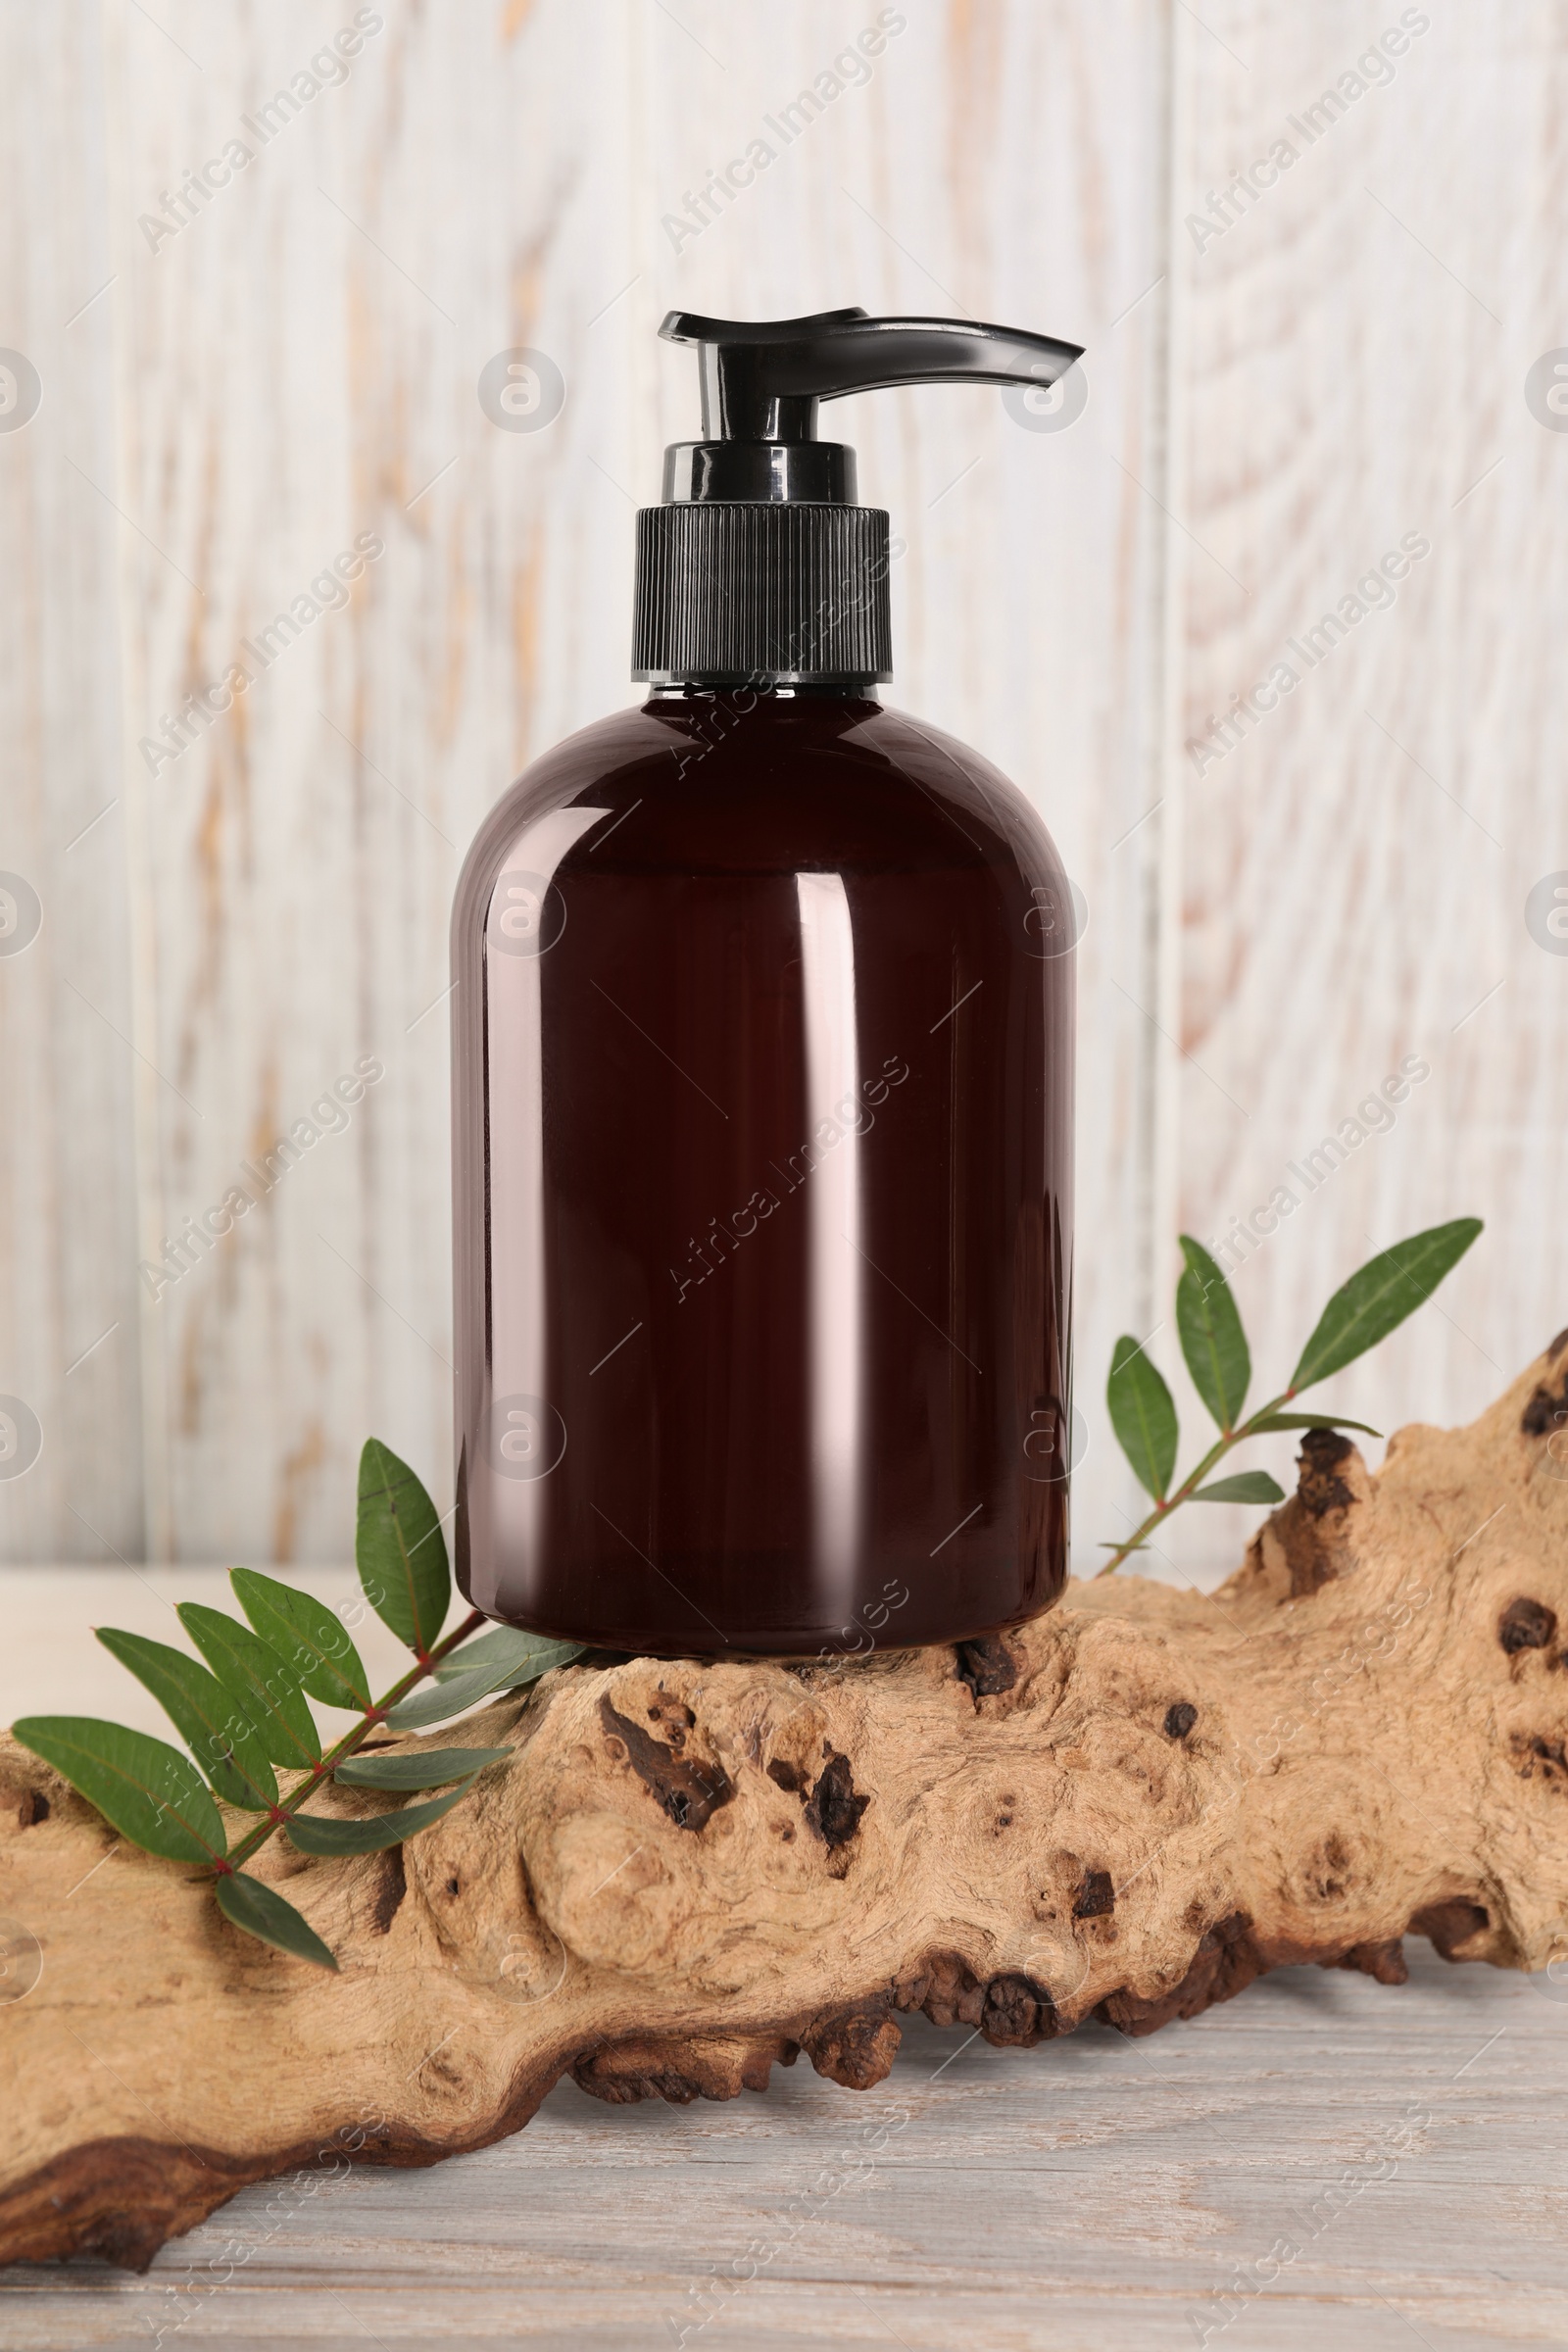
(1356, 868)
(379, 244)
(68, 1303)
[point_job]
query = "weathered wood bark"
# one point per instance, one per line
(692, 1872)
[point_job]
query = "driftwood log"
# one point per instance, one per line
(690, 1872)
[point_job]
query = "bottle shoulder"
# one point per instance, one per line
(943, 768)
(551, 801)
(754, 785)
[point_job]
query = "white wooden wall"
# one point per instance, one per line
(223, 415)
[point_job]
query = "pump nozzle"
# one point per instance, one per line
(759, 568)
(761, 379)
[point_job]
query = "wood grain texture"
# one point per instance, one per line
(1092, 2195)
(67, 1190)
(298, 364)
(1354, 872)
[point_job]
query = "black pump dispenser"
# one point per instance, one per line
(760, 569)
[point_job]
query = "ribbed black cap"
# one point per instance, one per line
(753, 593)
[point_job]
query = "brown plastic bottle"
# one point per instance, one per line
(762, 1087)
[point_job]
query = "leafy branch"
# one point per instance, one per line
(1142, 1412)
(243, 1713)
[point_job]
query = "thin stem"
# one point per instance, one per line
(350, 1740)
(1164, 1508)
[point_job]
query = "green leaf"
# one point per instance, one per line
(437, 1701)
(211, 1720)
(399, 1551)
(1248, 1486)
(1143, 1416)
(520, 1656)
(147, 1790)
(1277, 1421)
(313, 1834)
(1213, 1342)
(433, 1769)
(1376, 1299)
(253, 1906)
(265, 1684)
(307, 1636)
(507, 1668)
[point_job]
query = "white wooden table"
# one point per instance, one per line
(1409, 2145)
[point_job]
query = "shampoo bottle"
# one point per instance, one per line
(762, 1078)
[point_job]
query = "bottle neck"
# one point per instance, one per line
(765, 690)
